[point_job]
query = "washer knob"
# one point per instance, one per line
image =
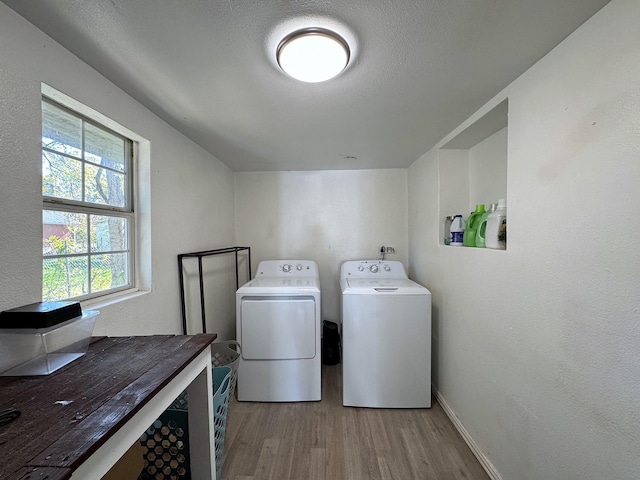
(373, 268)
(286, 268)
(299, 267)
(387, 268)
(361, 268)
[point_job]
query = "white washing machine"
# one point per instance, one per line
(278, 326)
(386, 336)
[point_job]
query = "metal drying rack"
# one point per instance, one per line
(200, 256)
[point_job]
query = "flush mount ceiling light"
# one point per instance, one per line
(313, 54)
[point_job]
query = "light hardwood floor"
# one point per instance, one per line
(326, 441)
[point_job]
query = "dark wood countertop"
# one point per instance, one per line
(68, 415)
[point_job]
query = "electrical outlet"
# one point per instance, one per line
(389, 250)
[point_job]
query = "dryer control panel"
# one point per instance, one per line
(287, 268)
(372, 268)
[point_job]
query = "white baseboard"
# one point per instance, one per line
(484, 461)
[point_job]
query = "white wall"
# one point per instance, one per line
(191, 192)
(325, 216)
(488, 170)
(470, 176)
(536, 348)
(453, 185)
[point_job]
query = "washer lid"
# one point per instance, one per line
(398, 286)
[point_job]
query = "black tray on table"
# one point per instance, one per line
(40, 315)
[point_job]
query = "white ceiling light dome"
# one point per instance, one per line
(313, 54)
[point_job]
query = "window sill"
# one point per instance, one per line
(106, 300)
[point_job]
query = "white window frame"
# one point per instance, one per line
(139, 191)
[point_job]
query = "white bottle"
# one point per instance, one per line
(457, 231)
(496, 222)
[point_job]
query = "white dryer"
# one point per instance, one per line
(278, 327)
(386, 336)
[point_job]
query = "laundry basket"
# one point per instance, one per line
(222, 355)
(221, 376)
(227, 353)
(165, 444)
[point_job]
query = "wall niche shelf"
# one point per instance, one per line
(472, 166)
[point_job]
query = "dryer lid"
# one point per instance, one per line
(279, 285)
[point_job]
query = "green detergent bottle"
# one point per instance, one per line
(481, 227)
(469, 239)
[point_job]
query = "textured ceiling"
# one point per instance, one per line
(418, 69)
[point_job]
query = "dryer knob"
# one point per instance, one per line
(373, 268)
(387, 268)
(286, 267)
(299, 267)
(361, 268)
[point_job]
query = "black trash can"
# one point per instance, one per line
(330, 343)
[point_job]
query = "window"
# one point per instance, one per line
(87, 216)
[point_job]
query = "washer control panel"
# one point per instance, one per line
(287, 268)
(372, 268)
